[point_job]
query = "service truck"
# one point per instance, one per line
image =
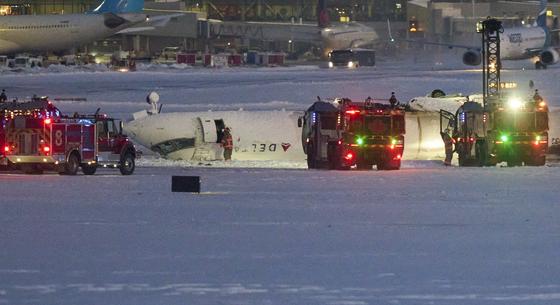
(509, 126)
(35, 136)
(343, 134)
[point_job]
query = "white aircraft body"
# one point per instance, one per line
(62, 32)
(257, 135)
(350, 35)
(275, 135)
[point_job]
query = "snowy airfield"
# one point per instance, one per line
(274, 233)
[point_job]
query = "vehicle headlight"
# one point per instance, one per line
(350, 64)
(331, 65)
(515, 103)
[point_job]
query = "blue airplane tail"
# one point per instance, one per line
(120, 6)
(541, 18)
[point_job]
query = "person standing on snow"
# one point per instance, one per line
(227, 144)
(448, 143)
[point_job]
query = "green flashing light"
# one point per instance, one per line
(360, 141)
(394, 142)
(504, 138)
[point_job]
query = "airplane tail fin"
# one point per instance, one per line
(322, 14)
(120, 6)
(541, 18)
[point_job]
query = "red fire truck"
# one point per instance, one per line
(34, 137)
(345, 134)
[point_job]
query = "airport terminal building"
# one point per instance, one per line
(444, 21)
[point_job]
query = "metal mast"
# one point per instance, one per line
(491, 64)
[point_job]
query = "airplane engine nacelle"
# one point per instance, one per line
(549, 56)
(472, 58)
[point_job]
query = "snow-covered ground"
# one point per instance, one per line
(422, 235)
(426, 234)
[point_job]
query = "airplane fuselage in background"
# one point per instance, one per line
(516, 42)
(59, 32)
(352, 35)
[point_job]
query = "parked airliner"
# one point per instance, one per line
(62, 32)
(516, 43)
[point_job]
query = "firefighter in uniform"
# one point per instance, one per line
(448, 143)
(393, 100)
(537, 97)
(227, 144)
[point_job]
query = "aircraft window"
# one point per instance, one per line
(101, 129)
(111, 128)
(170, 146)
(378, 125)
(356, 125)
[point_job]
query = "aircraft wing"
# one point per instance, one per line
(162, 20)
(136, 30)
(533, 52)
(448, 45)
(151, 23)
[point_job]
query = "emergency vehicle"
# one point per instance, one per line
(344, 134)
(507, 127)
(512, 130)
(34, 137)
(351, 58)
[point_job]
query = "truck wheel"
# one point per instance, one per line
(462, 160)
(127, 164)
(536, 161)
(89, 169)
(481, 153)
(310, 156)
(71, 167)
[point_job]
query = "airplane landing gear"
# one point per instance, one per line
(539, 65)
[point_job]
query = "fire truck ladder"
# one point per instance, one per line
(491, 65)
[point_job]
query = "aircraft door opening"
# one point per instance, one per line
(220, 126)
(213, 130)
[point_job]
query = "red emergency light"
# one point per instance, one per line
(48, 121)
(352, 111)
(349, 156)
(46, 149)
(6, 148)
